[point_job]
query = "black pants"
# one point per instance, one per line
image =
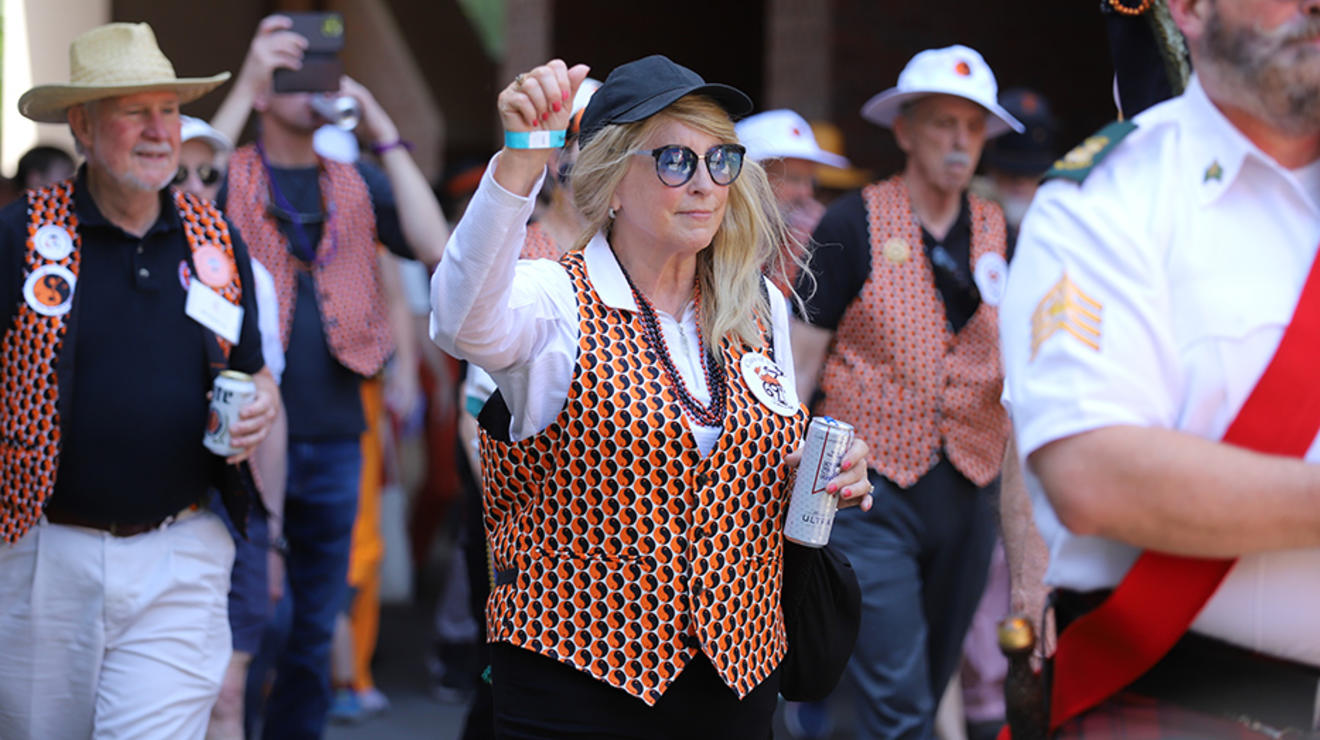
(539, 697)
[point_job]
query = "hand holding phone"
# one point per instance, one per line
(321, 67)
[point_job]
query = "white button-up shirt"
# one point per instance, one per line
(1192, 246)
(518, 319)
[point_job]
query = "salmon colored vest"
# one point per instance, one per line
(897, 371)
(618, 549)
(346, 274)
(29, 355)
(539, 245)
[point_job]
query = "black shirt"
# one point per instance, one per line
(322, 398)
(134, 405)
(841, 264)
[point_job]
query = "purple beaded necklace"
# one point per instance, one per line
(712, 415)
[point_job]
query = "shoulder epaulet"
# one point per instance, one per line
(1078, 163)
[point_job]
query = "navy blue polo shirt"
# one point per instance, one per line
(132, 433)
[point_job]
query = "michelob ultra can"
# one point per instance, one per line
(811, 510)
(232, 391)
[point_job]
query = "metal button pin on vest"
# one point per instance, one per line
(144, 273)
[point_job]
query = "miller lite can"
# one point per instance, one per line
(811, 510)
(232, 391)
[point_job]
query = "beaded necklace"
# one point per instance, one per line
(712, 415)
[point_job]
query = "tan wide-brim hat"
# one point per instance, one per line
(110, 61)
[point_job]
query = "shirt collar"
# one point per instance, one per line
(1216, 150)
(89, 214)
(606, 275)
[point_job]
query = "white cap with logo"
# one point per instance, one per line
(780, 134)
(954, 70)
(195, 128)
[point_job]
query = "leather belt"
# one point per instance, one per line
(1215, 677)
(119, 529)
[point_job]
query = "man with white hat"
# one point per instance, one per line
(124, 299)
(901, 338)
(782, 142)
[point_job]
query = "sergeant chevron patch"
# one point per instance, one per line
(1066, 308)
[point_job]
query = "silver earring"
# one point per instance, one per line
(612, 213)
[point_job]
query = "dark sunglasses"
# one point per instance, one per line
(206, 173)
(675, 164)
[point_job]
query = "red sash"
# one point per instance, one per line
(1156, 602)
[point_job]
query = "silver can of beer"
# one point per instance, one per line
(232, 391)
(812, 508)
(338, 110)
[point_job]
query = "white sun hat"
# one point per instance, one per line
(954, 70)
(196, 129)
(110, 61)
(779, 134)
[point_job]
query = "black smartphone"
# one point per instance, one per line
(321, 68)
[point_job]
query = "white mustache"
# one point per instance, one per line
(958, 159)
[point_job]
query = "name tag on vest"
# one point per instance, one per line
(210, 309)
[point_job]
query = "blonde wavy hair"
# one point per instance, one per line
(751, 243)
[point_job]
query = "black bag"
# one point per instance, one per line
(822, 606)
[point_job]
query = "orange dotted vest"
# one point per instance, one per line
(896, 370)
(617, 548)
(538, 245)
(346, 272)
(29, 354)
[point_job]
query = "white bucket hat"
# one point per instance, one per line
(777, 134)
(109, 61)
(954, 70)
(196, 129)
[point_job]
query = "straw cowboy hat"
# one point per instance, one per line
(108, 62)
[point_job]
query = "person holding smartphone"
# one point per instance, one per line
(317, 225)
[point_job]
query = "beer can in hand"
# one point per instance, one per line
(232, 391)
(811, 510)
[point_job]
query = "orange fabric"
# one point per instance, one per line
(898, 373)
(368, 548)
(346, 272)
(29, 415)
(538, 245)
(631, 550)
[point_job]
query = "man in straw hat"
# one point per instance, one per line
(123, 299)
(1160, 342)
(901, 338)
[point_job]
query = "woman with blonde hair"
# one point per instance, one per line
(639, 452)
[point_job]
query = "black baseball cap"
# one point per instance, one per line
(638, 90)
(1033, 151)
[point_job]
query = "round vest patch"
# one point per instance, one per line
(48, 290)
(769, 383)
(991, 276)
(185, 275)
(213, 268)
(53, 242)
(897, 251)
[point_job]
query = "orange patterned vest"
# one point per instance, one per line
(346, 273)
(618, 549)
(896, 370)
(29, 354)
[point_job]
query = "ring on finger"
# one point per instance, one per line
(517, 81)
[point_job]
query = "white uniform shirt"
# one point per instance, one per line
(518, 319)
(1192, 246)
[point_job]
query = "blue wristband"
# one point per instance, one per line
(534, 139)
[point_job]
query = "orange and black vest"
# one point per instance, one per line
(898, 373)
(618, 549)
(30, 352)
(346, 271)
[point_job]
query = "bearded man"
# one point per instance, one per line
(1160, 339)
(123, 299)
